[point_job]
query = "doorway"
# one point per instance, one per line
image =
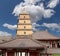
(10, 53)
(34, 53)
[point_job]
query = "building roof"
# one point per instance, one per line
(5, 38)
(23, 43)
(44, 35)
(53, 50)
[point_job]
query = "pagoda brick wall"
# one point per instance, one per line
(24, 26)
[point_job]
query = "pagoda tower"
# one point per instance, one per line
(24, 27)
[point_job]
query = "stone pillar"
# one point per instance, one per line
(17, 53)
(26, 54)
(56, 44)
(6, 54)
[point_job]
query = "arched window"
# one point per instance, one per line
(24, 32)
(24, 26)
(24, 21)
(24, 16)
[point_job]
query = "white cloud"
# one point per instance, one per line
(31, 1)
(53, 3)
(2, 33)
(12, 27)
(48, 13)
(36, 11)
(34, 25)
(52, 25)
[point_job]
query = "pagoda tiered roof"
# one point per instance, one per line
(5, 39)
(44, 35)
(23, 42)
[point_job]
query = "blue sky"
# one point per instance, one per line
(47, 17)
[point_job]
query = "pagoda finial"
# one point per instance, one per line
(24, 10)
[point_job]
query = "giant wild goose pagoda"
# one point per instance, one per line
(27, 42)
